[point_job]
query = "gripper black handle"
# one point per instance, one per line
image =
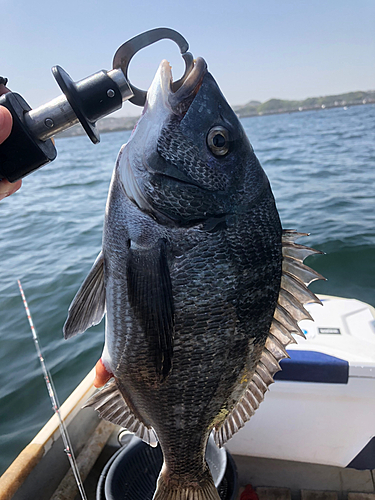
(21, 153)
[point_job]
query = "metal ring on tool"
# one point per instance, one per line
(125, 53)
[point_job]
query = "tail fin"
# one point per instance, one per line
(178, 489)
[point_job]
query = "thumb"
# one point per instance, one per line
(6, 122)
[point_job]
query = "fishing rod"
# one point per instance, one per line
(54, 400)
(30, 144)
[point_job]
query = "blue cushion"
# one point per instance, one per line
(311, 366)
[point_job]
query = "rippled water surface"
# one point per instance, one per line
(321, 165)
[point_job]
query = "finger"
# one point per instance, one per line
(6, 122)
(3, 89)
(8, 188)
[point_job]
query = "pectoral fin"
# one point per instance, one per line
(88, 306)
(150, 295)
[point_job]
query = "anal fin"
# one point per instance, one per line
(111, 406)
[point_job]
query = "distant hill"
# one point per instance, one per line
(252, 108)
(274, 106)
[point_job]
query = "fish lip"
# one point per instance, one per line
(180, 98)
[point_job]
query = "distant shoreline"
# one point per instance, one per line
(283, 112)
(251, 109)
(277, 106)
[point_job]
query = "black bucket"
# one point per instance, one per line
(132, 472)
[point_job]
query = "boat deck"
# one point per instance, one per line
(274, 479)
(42, 470)
(52, 479)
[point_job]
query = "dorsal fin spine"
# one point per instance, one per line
(289, 310)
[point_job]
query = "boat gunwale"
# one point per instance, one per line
(33, 453)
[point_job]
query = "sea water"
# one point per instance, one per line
(321, 165)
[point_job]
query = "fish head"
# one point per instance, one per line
(189, 159)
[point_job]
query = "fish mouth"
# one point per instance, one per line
(181, 94)
(139, 159)
(168, 100)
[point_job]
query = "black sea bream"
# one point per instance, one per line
(200, 286)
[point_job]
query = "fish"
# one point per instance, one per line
(201, 287)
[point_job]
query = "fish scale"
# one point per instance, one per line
(174, 148)
(202, 288)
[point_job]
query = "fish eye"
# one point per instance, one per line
(218, 140)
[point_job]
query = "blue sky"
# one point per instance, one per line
(255, 49)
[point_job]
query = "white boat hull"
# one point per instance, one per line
(320, 422)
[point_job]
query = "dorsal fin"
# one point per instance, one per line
(288, 312)
(111, 406)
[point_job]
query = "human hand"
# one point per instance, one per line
(6, 122)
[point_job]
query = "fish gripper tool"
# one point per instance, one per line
(30, 144)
